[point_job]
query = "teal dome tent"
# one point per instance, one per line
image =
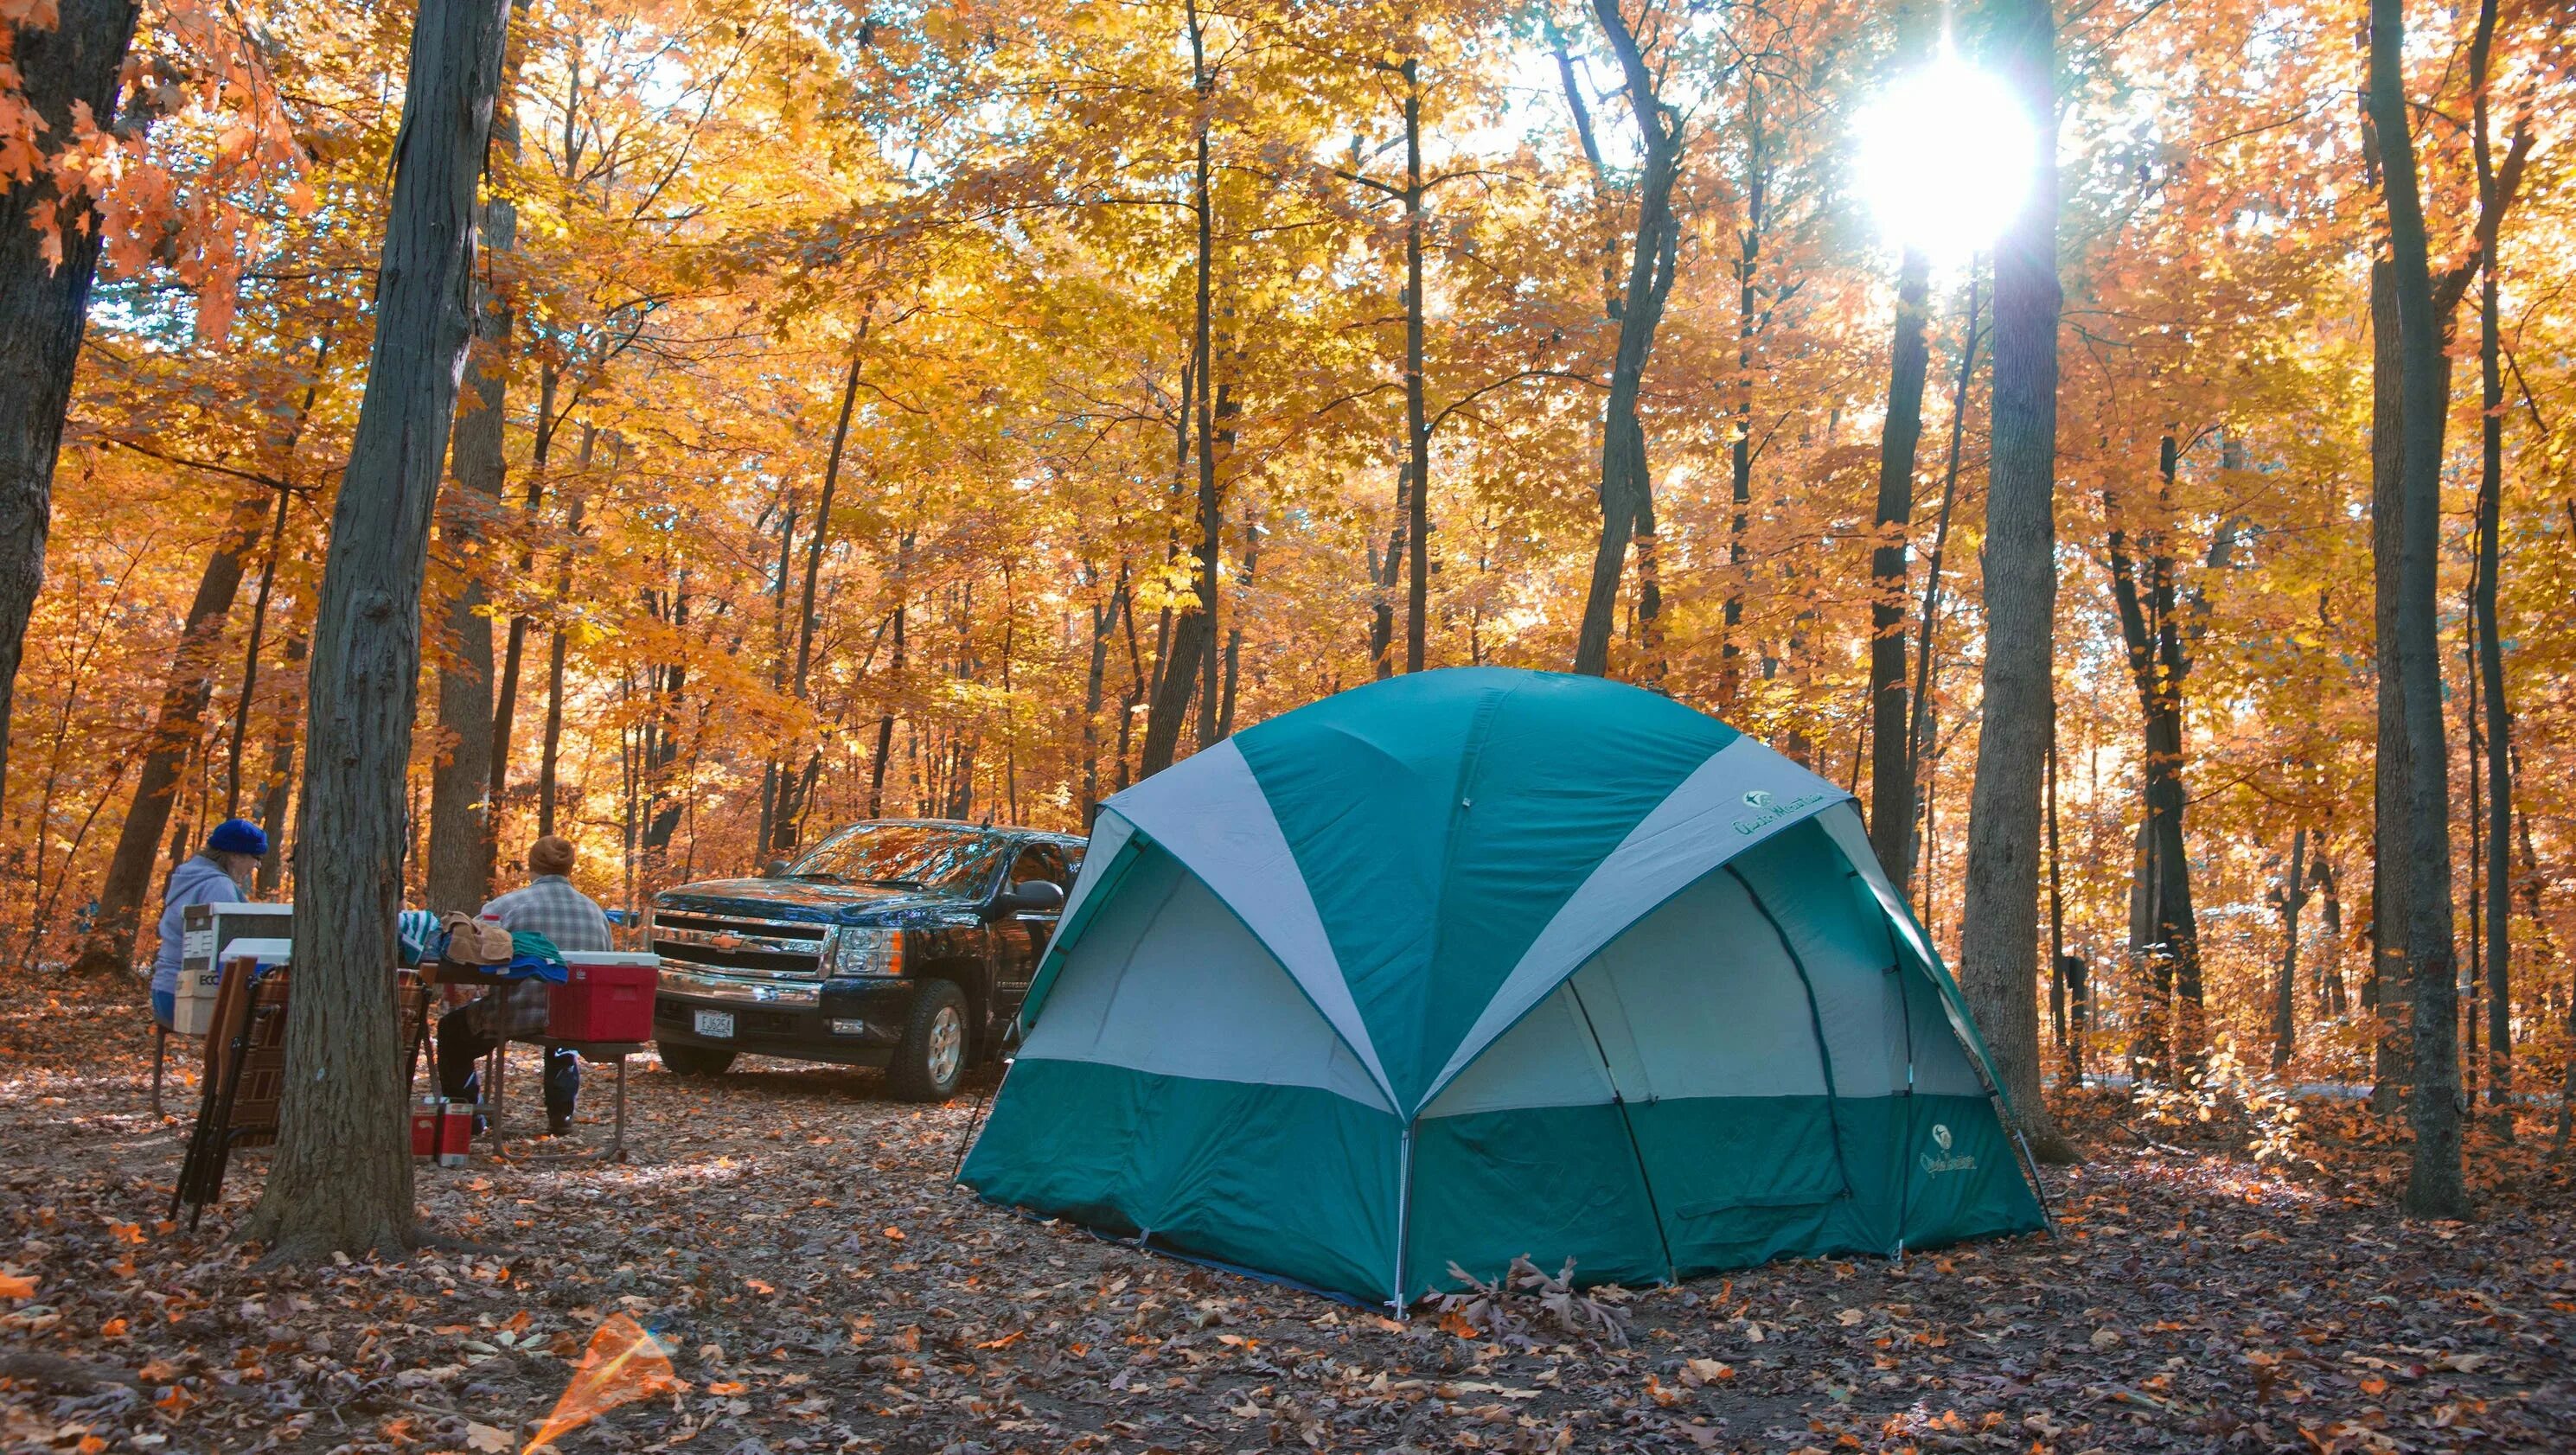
(1476, 963)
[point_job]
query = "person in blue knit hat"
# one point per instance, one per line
(215, 874)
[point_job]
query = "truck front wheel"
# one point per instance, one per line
(932, 1058)
(692, 1060)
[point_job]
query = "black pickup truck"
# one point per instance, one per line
(906, 944)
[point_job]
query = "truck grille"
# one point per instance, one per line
(759, 949)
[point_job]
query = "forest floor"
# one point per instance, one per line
(792, 1238)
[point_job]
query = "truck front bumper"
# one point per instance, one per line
(851, 1022)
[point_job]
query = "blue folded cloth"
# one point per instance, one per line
(533, 956)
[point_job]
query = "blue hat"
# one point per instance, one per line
(238, 836)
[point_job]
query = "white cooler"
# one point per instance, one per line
(206, 930)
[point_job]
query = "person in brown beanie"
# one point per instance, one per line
(550, 906)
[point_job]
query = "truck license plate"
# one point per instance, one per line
(715, 1023)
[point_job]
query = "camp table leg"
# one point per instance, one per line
(160, 1054)
(617, 1138)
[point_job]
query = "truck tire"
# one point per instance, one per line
(692, 1060)
(932, 1057)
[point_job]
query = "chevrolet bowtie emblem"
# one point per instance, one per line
(726, 942)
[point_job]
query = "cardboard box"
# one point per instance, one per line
(206, 930)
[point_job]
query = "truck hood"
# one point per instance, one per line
(807, 900)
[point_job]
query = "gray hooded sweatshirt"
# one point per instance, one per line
(200, 880)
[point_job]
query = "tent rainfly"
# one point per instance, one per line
(1476, 963)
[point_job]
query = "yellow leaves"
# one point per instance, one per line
(14, 1285)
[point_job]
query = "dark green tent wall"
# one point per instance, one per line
(1480, 963)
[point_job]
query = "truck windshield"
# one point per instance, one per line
(904, 856)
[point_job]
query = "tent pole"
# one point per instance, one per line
(1403, 1209)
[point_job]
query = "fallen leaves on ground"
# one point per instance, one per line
(790, 1238)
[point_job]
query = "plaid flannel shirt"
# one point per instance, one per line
(551, 907)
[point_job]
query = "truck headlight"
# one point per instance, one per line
(858, 950)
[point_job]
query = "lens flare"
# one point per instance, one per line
(1945, 157)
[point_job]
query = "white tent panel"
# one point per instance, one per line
(1549, 1059)
(1168, 981)
(1841, 938)
(1698, 999)
(1208, 811)
(1941, 1064)
(1742, 795)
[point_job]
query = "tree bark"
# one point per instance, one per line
(1626, 488)
(2434, 1185)
(174, 732)
(2386, 987)
(1891, 769)
(1999, 929)
(341, 1178)
(44, 302)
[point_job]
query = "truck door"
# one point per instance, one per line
(1021, 937)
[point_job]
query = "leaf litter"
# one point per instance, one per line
(811, 1283)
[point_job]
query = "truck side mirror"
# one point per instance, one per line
(774, 869)
(1030, 896)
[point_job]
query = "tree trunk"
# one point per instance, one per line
(1234, 631)
(1918, 731)
(2057, 986)
(462, 826)
(44, 301)
(2169, 933)
(1891, 775)
(2490, 645)
(785, 825)
(550, 743)
(174, 732)
(1178, 671)
(1104, 624)
(281, 768)
(2294, 896)
(341, 1178)
(251, 643)
(1999, 929)
(294, 435)
(2385, 990)
(2434, 1186)
(1417, 427)
(2331, 996)
(1625, 485)
(505, 698)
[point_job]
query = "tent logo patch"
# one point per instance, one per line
(1936, 1165)
(1768, 810)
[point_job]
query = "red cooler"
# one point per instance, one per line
(604, 997)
